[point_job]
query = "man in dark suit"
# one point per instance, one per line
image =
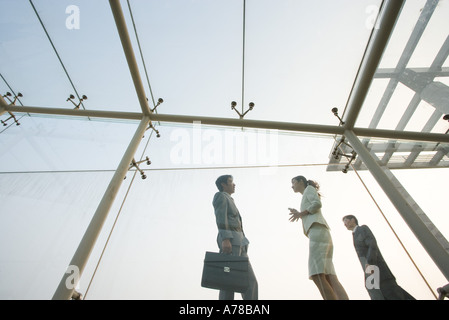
(231, 238)
(379, 280)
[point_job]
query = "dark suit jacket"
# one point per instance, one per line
(229, 221)
(366, 247)
(368, 252)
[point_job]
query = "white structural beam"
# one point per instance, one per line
(76, 112)
(3, 105)
(435, 70)
(418, 30)
(129, 53)
(429, 237)
(386, 73)
(230, 122)
(79, 260)
(401, 135)
(387, 19)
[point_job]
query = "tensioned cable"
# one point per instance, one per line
(148, 141)
(363, 57)
(392, 229)
(57, 54)
(243, 55)
(18, 99)
(7, 84)
(141, 54)
(175, 169)
(115, 221)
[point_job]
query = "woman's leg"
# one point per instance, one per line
(324, 286)
(337, 287)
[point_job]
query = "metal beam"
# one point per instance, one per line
(424, 230)
(410, 47)
(393, 73)
(401, 135)
(387, 19)
(3, 105)
(430, 73)
(79, 260)
(439, 156)
(259, 124)
(129, 53)
(433, 92)
(76, 113)
(437, 94)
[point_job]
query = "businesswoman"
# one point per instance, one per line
(321, 268)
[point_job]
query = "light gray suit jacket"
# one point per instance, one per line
(312, 203)
(229, 221)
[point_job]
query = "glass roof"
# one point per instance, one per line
(420, 43)
(413, 64)
(295, 60)
(193, 53)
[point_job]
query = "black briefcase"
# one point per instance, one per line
(225, 272)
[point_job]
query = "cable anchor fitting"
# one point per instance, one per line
(150, 126)
(77, 106)
(234, 104)
(159, 102)
(135, 164)
(337, 154)
(11, 103)
(335, 112)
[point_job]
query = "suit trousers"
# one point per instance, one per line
(253, 290)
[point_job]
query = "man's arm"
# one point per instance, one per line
(220, 204)
(371, 243)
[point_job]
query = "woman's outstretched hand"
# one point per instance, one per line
(294, 215)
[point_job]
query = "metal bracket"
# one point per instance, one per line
(335, 112)
(234, 104)
(150, 126)
(77, 106)
(11, 103)
(337, 151)
(159, 101)
(135, 164)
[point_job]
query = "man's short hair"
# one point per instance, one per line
(350, 216)
(222, 179)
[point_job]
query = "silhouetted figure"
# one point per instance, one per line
(372, 261)
(231, 238)
(321, 267)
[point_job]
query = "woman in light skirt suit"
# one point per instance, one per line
(321, 268)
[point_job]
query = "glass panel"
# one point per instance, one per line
(63, 144)
(414, 64)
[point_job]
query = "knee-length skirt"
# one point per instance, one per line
(321, 250)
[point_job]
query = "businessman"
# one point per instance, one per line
(372, 261)
(231, 238)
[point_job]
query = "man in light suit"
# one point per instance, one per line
(372, 261)
(231, 238)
